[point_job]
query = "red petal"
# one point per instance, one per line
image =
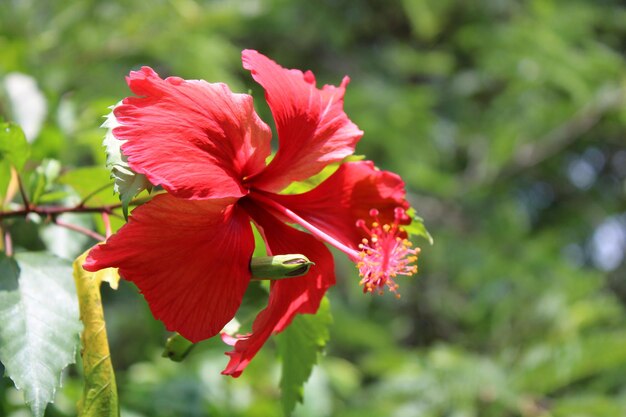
(196, 139)
(288, 297)
(190, 259)
(313, 129)
(335, 205)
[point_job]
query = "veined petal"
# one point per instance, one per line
(189, 258)
(348, 195)
(196, 139)
(288, 297)
(313, 129)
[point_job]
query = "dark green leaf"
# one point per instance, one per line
(299, 346)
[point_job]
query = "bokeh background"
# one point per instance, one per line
(506, 118)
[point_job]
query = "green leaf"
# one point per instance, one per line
(14, 151)
(303, 186)
(417, 228)
(43, 179)
(93, 182)
(39, 324)
(5, 177)
(13, 145)
(100, 390)
(299, 346)
(127, 183)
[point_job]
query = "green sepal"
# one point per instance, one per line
(417, 228)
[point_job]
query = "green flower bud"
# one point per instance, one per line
(177, 348)
(279, 267)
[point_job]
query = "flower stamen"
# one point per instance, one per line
(386, 254)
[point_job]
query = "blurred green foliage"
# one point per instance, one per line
(506, 118)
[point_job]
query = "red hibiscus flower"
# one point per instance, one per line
(188, 250)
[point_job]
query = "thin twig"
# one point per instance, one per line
(116, 215)
(56, 210)
(80, 229)
(51, 211)
(92, 194)
(22, 191)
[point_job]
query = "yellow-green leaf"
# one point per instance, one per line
(100, 390)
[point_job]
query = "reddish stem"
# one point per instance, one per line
(80, 229)
(56, 210)
(8, 244)
(107, 224)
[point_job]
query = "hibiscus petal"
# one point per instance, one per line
(190, 259)
(336, 204)
(288, 297)
(313, 130)
(196, 139)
